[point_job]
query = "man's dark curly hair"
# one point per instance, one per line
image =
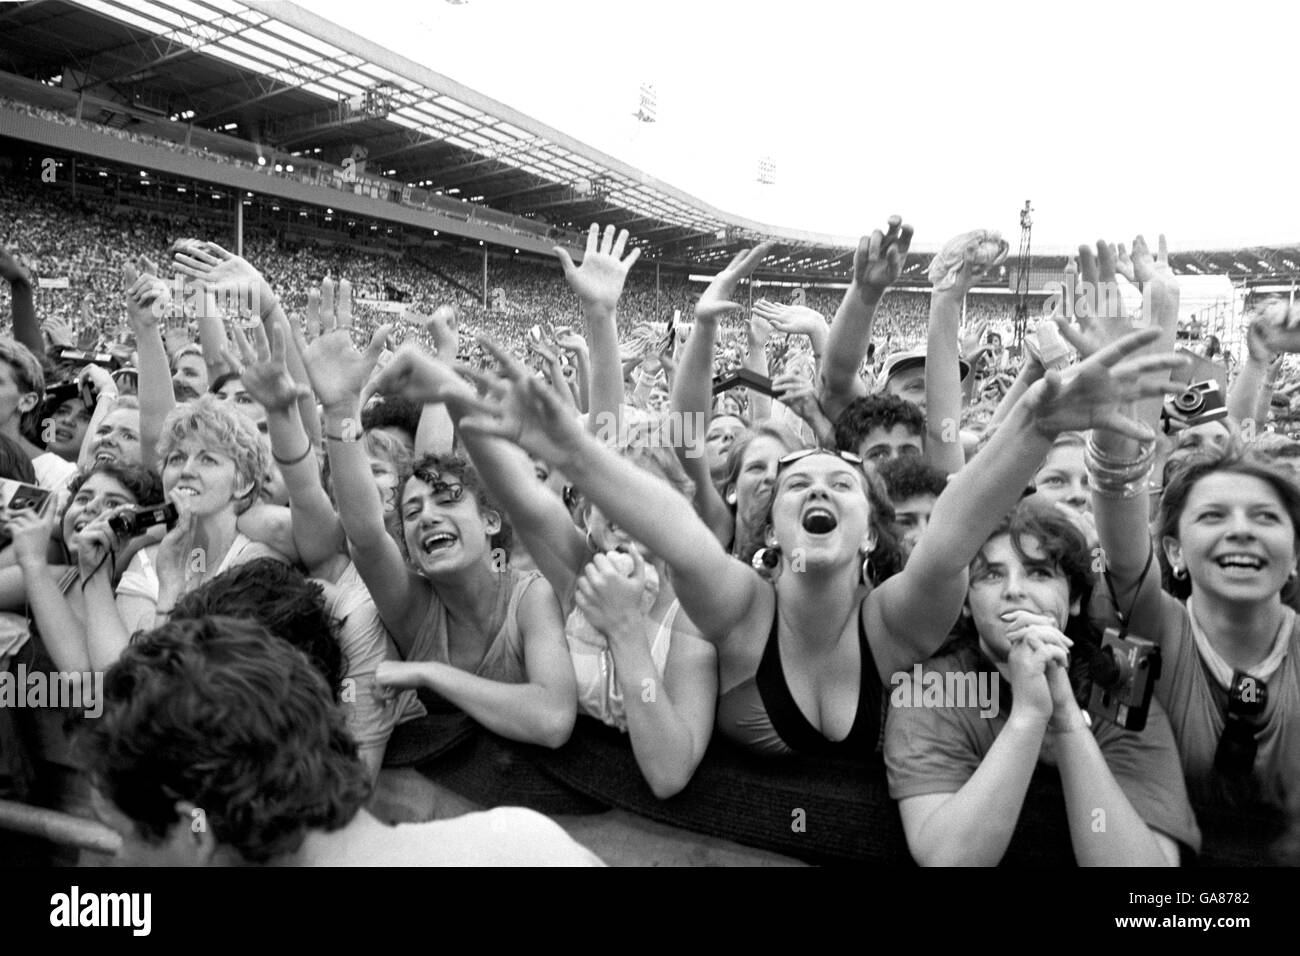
(219, 712)
(909, 476)
(393, 412)
(875, 411)
(453, 468)
(278, 597)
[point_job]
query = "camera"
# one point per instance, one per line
(1124, 674)
(1201, 403)
(74, 356)
(137, 521)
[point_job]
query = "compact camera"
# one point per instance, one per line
(130, 524)
(1202, 402)
(1124, 674)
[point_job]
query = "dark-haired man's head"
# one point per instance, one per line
(278, 597)
(913, 487)
(880, 428)
(399, 417)
(219, 743)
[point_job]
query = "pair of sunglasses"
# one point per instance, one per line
(1238, 745)
(803, 453)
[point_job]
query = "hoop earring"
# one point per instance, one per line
(867, 570)
(767, 562)
(591, 545)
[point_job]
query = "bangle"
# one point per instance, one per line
(160, 611)
(283, 463)
(348, 439)
(1112, 477)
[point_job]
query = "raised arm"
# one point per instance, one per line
(317, 531)
(338, 373)
(27, 329)
(961, 263)
(598, 284)
(915, 609)
(147, 302)
(692, 395)
(877, 262)
(538, 517)
(716, 591)
(61, 630)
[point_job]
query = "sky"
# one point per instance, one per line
(1113, 118)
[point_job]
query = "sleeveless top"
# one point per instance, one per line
(504, 659)
(599, 694)
(762, 715)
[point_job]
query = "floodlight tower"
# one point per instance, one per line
(648, 111)
(766, 171)
(1022, 274)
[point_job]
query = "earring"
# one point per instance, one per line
(1179, 572)
(867, 570)
(591, 545)
(767, 561)
(731, 497)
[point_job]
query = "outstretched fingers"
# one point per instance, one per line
(1111, 354)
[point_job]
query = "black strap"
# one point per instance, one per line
(788, 720)
(1123, 616)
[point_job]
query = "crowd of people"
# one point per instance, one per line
(287, 530)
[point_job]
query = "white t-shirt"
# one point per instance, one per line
(53, 471)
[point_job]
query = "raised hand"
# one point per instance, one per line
(599, 281)
(523, 409)
(337, 371)
(1039, 656)
(1276, 328)
(971, 342)
(1149, 269)
(791, 319)
(223, 271)
(343, 304)
(265, 374)
(174, 551)
(57, 331)
(412, 374)
(12, 268)
(879, 259)
(1090, 394)
(1102, 318)
(29, 529)
(147, 296)
(966, 258)
(716, 302)
(570, 341)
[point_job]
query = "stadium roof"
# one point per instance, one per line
(284, 79)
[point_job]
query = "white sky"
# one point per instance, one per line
(1113, 117)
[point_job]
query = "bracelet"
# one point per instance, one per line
(283, 463)
(160, 611)
(346, 440)
(1112, 477)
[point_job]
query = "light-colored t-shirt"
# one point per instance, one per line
(53, 471)
(506, 836)
(365, 643)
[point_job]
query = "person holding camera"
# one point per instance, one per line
(1228, 525)
(212, 470)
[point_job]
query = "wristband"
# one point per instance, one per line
(285, 463)
(346, 440)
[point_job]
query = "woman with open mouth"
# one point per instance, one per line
(473, 631)
(803, 660)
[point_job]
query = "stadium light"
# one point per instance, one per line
(289, 168)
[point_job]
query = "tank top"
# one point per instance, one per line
(762, 715)
(504, 659)
(599, 694)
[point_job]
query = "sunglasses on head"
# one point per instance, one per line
(803, 453)
(1238, 745)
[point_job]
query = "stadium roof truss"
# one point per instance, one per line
(280, 72)
(282, 76)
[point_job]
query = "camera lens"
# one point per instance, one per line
(1190, 402)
